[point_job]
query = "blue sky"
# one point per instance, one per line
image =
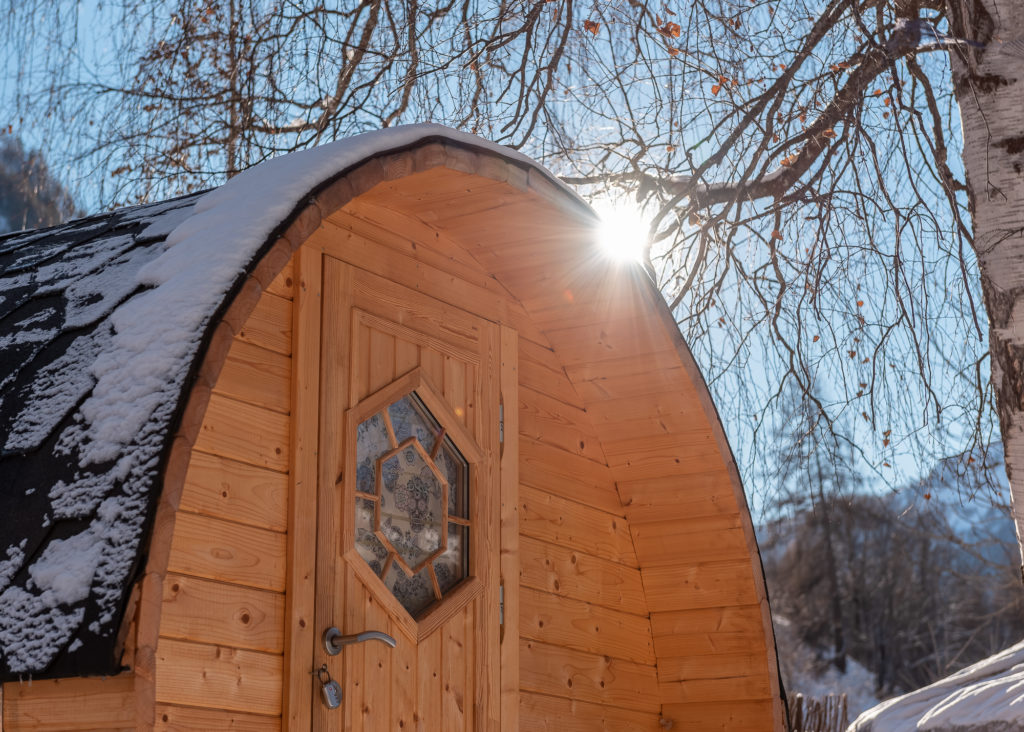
(756, 372)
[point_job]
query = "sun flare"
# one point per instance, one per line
(623, 231)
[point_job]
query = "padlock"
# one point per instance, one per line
(329, 688)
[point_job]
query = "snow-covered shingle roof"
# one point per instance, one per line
(71, 519)
(102, 323)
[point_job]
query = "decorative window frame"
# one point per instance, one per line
(471, 586)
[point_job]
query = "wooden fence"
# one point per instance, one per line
(809, 714)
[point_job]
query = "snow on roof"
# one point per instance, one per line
(985, 697)
(101, 322)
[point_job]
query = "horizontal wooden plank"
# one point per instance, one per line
(570, 573)
(734, 619)
(460, 192)
(605, 411)
(270, 324)
(623, 444)
(659, 460)
(70, 704)
(205, 611)
(720, 666)
(569, 476)
(724, 677)
(733, 688)
(170, 718)
(715, 584)
(527, 227)
(497, 218)
(587, 677)
(689, 428)
(561, 621)
(676, 542)
(541, 353)
(724, 716)
(383, 304)
(542, 713)
(708, 631)
(678, 498)
(572, 524)
(709, 644)
(505, 226)
(229, 552)
(540, 370)
(687, 527)
(228, 489)
(256, 375)
(283, 284)
(531, 261)
(553, 422)
(651, 383)
(650, 366)
(602, 292)
(526, 261)
(610, 340)
(409, 236)
(218, 677)
(415, 269)
(246, 433)
(498, 209)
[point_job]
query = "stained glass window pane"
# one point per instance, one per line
(456, 471)
(416, 496)
(367, 544)
(371, 442)
(415, 593)
(451, 567)
(412, 508)
(410, 418)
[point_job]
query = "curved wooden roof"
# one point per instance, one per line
(607, 325)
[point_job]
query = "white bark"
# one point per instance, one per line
(990, 91)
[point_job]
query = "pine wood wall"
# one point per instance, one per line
(69, 704)
(219, 658)
(586, 653)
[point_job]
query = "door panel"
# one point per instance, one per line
(443, 672)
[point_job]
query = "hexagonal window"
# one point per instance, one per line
(412, 503)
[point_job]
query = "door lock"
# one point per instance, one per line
(330, 690)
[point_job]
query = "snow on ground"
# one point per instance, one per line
(985, 697)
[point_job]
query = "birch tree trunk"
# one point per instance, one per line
(989, 85)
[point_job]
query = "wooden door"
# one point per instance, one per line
(381, 340)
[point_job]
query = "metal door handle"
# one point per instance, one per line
(334, 640)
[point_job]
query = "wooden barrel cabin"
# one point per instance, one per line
(373, 438)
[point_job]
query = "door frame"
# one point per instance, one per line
(300, 690)
(495, 701)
